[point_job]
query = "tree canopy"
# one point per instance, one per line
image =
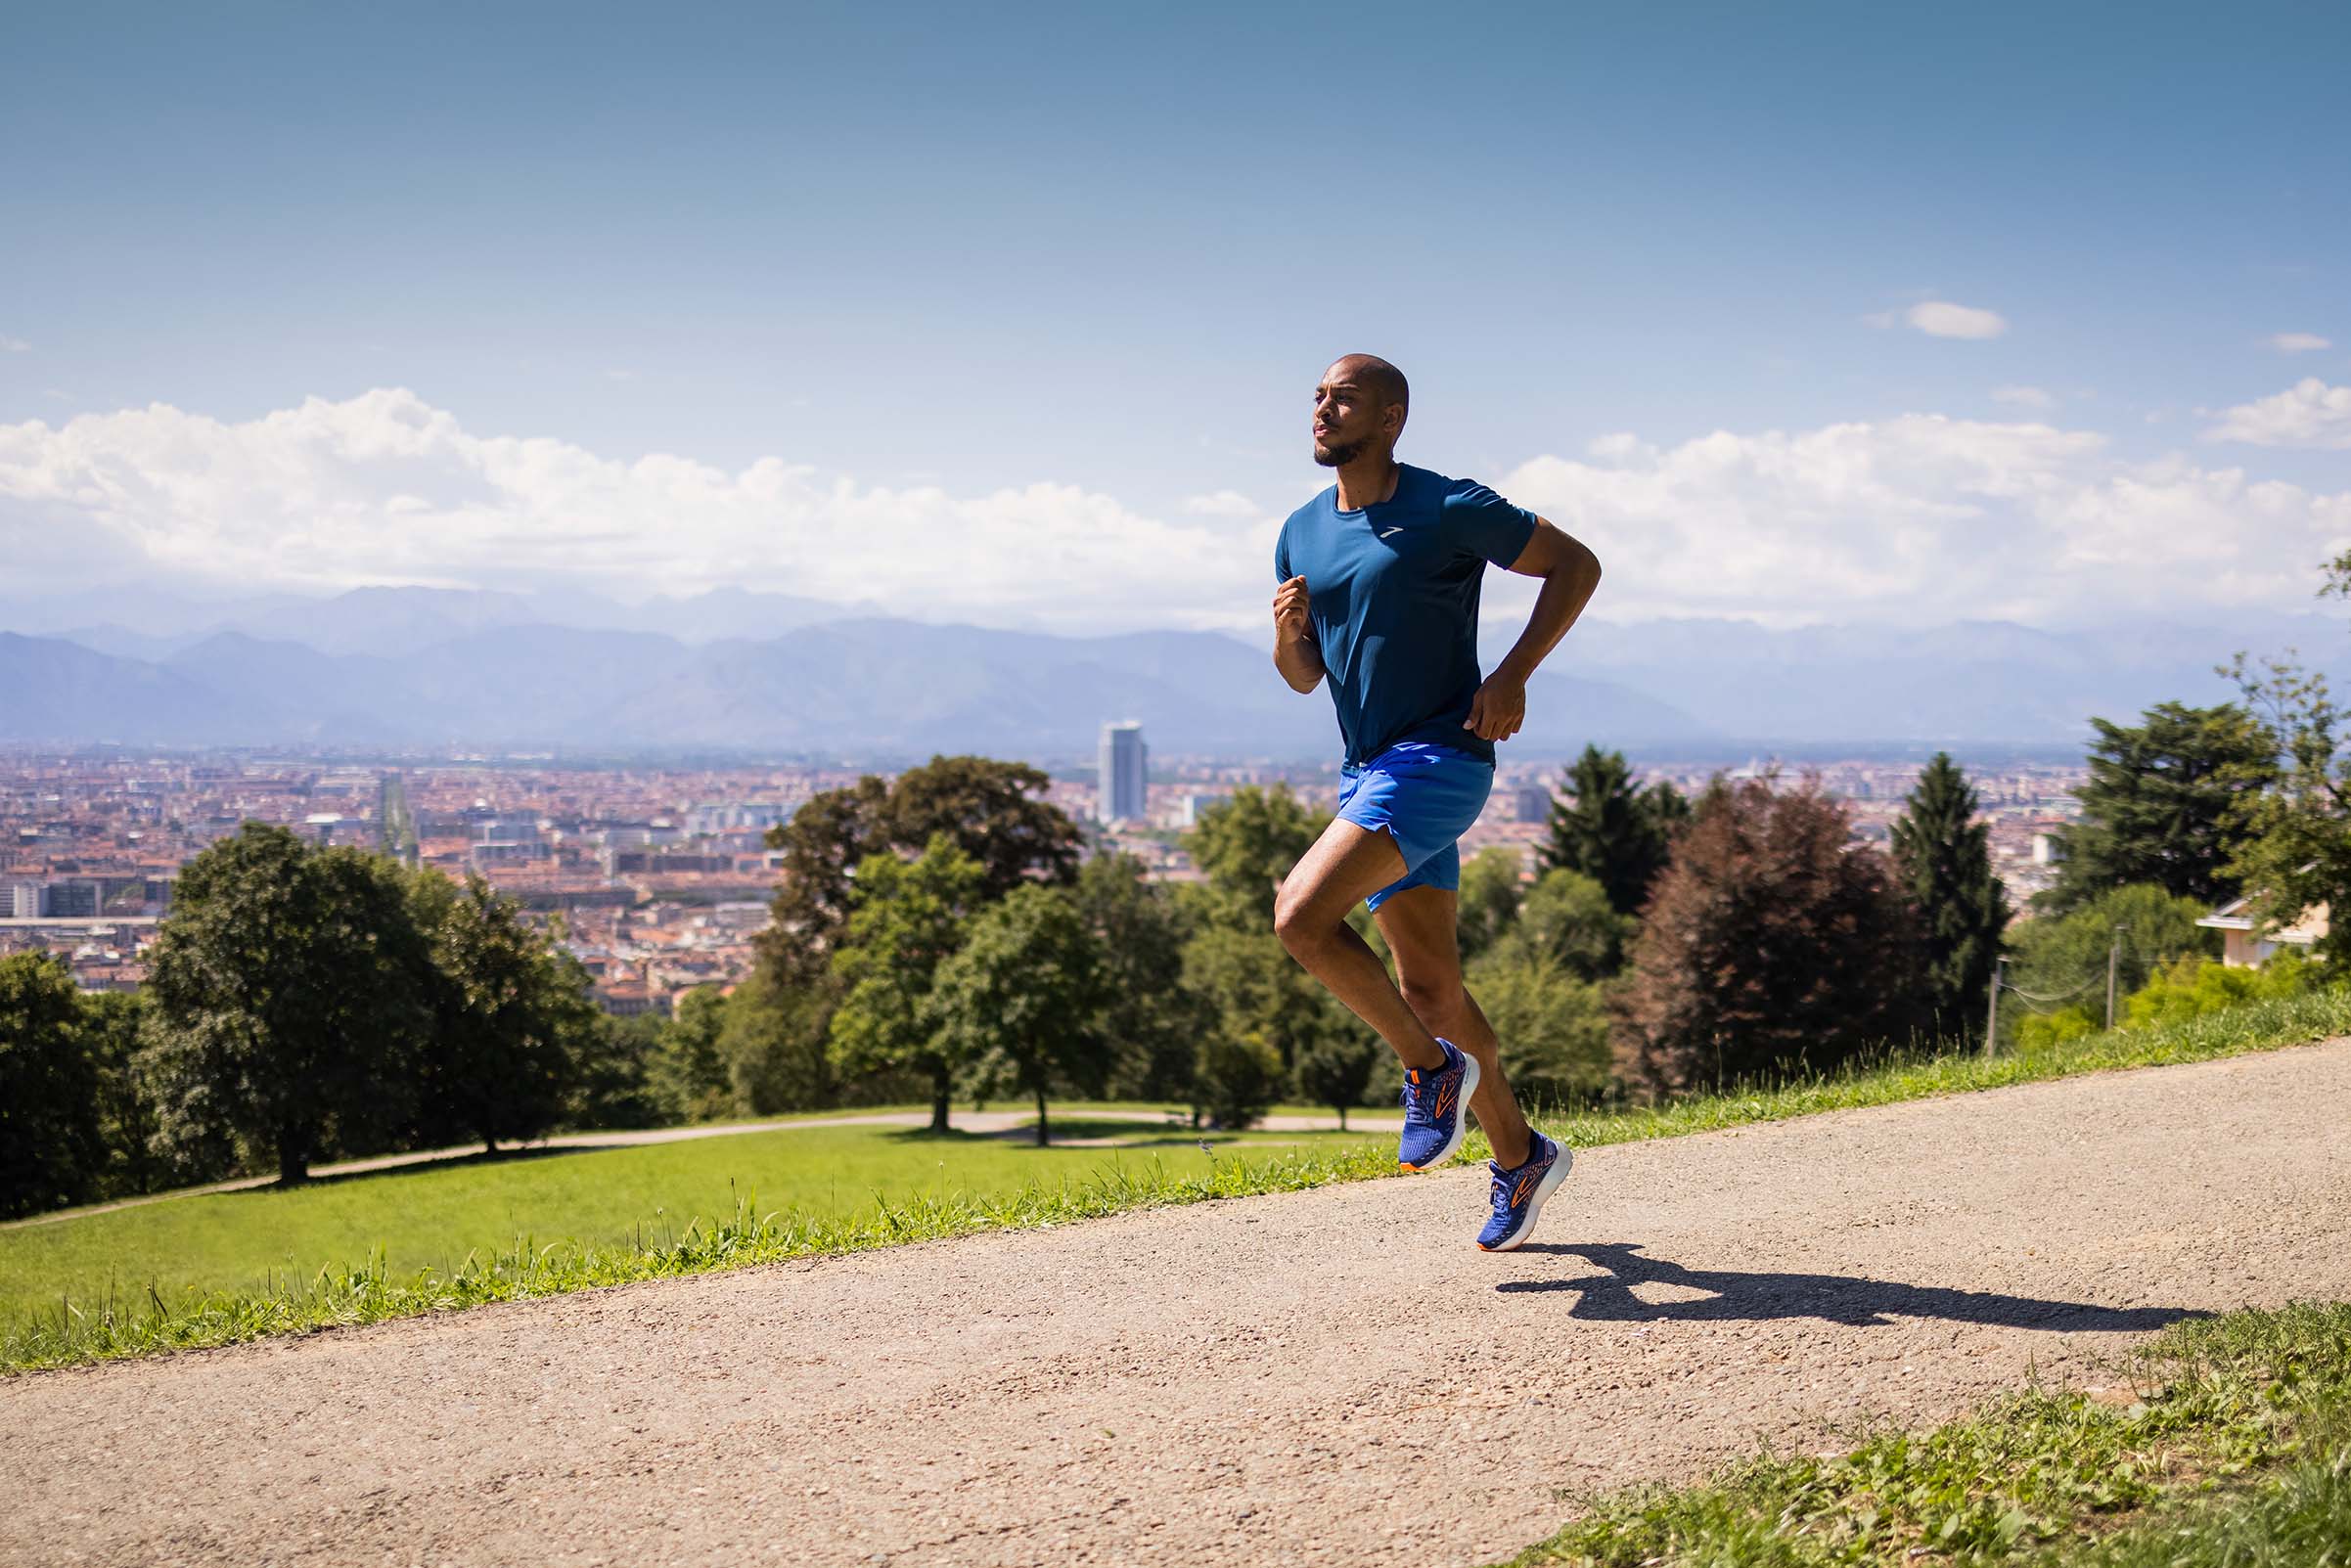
(286, 995)
(1769, 943)
(2164, 804)
(1943, 861)
(1619, 835)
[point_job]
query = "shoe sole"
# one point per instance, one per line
(1461, 1120)
(1534, 1205)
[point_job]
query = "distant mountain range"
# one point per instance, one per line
(735, 670)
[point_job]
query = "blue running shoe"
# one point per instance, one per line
(1437, 1109)
(1518, 1195)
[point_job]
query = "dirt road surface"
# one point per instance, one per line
(1333, 1376)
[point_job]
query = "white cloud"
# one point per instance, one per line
(385, 488)
(2299, 343)
(1921, 517)
(2308, 414)
(1222, 504)
(1940, 318)
(14, 345)
(2033, 397)
(1926, 518)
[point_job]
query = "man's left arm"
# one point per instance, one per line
(1569, 572)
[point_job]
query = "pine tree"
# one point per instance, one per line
(1943, 862)
(2166, 803)
(1612, 833)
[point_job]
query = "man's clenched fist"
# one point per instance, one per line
(1289, 610)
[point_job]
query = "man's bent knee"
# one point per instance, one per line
(1295, 924)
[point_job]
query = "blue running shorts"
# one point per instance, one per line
(1424, 797)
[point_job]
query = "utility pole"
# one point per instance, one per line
(2113, 963)
(1992, 1009)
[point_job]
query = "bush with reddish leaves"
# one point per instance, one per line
(1771, 945)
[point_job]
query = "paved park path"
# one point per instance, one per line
(1333, 1376)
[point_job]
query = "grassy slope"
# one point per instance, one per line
(434, 1217)
(2227, 1442)
(916, 1201)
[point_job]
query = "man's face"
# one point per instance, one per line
(1348, 417)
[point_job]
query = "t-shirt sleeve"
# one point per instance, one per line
(1282, 556)
(1481, 524)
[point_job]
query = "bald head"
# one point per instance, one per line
(1377, 375)
(1359, 406)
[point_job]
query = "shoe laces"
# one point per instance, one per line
(1412, 1101)
(1501, 1196)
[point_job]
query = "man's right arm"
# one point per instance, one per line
(1295, 654)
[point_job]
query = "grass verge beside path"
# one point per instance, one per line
(144, 1321)
(2225, 1445)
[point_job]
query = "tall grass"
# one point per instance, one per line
(152, 1321)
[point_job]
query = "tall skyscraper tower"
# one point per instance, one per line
(1123, 768)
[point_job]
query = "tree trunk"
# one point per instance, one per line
(293, 1158)
(938, 1103)
(1040, 1113)
(1343, 1118)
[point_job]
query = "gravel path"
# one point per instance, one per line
(1333, 1376)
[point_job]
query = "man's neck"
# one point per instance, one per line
(1368, 480)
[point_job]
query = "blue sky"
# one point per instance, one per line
(1088, 260)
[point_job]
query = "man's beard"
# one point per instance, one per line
(1339, 457)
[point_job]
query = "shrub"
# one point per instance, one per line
(1236, 1081)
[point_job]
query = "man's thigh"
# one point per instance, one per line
(1342, 869)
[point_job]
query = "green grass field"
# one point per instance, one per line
(434, 1216)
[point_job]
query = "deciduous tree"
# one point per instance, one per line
(1770, 943)
(1553, 1026)
(1150, 1019)
(907, 919)
(287, 1003)
(690, 1069)
(1566, 919)
(510, 1015)
(51, 1152)
(1022, 1000)
(996, 815)
(1489, 899)
(2061, 960)
(1236, 1080)
(1247, 844)
(2293, 838)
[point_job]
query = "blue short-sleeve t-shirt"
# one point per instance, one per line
(1392, 596)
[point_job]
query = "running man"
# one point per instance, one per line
(1379, 580)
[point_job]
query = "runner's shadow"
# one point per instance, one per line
(1733, 1297)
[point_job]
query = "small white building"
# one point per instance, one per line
(2243, 947)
